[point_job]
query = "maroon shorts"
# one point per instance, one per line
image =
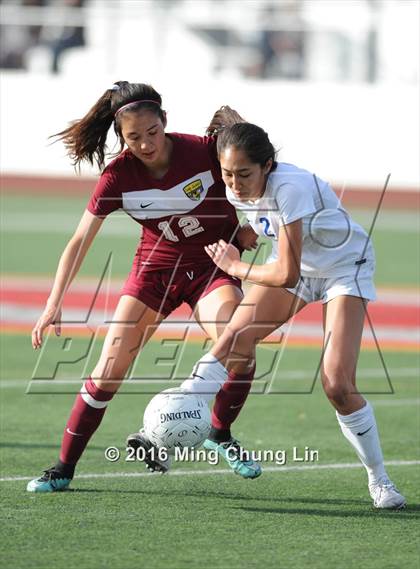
(164, 290)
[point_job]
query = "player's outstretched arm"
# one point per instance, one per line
(284, 272)
(68, 267)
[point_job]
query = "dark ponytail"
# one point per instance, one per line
(85, 139)
(232, 130)
(222, 118)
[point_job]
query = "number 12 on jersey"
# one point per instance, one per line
(189, 225)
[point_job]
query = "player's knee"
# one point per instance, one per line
(226, 311)
(336, 393)
(337, 388)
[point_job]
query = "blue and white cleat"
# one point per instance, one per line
(237, 458)
(51, 481)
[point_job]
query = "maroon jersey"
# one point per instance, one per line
(181, 212)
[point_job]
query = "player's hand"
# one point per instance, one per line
(247, 238)
(225, 256)
(50, 316)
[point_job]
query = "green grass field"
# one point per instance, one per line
(303, 518)
(120, 516)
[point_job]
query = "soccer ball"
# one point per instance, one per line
(176, 418)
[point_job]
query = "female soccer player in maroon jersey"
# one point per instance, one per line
(171, 184)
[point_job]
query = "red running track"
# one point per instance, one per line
(382, 313)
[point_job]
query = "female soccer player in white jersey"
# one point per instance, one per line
(171, 184)
(318, 253)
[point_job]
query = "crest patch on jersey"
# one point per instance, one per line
(193, 190)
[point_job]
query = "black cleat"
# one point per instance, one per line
(148, 453)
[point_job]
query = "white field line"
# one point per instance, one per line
(209, 472)
(299, 375)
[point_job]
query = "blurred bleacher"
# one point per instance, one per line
(264, 39)
(334, 83)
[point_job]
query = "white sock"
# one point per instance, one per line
(207, 377)
(360, 430)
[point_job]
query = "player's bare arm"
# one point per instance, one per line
(284, 272)
(68, 267)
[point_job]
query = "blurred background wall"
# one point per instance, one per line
(335, 83)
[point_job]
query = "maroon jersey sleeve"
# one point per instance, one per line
(106, 197)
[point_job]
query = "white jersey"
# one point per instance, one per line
(333, 244)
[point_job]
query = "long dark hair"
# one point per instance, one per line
(232, 130)
(85, 139)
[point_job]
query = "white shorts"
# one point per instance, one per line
(325, 289)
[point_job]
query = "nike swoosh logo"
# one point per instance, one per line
(235, 406)
(364, 432)
(199, 376)
(71, 433)
(143, 205)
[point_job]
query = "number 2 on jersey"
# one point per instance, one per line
(266, 226)
(189, 225)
